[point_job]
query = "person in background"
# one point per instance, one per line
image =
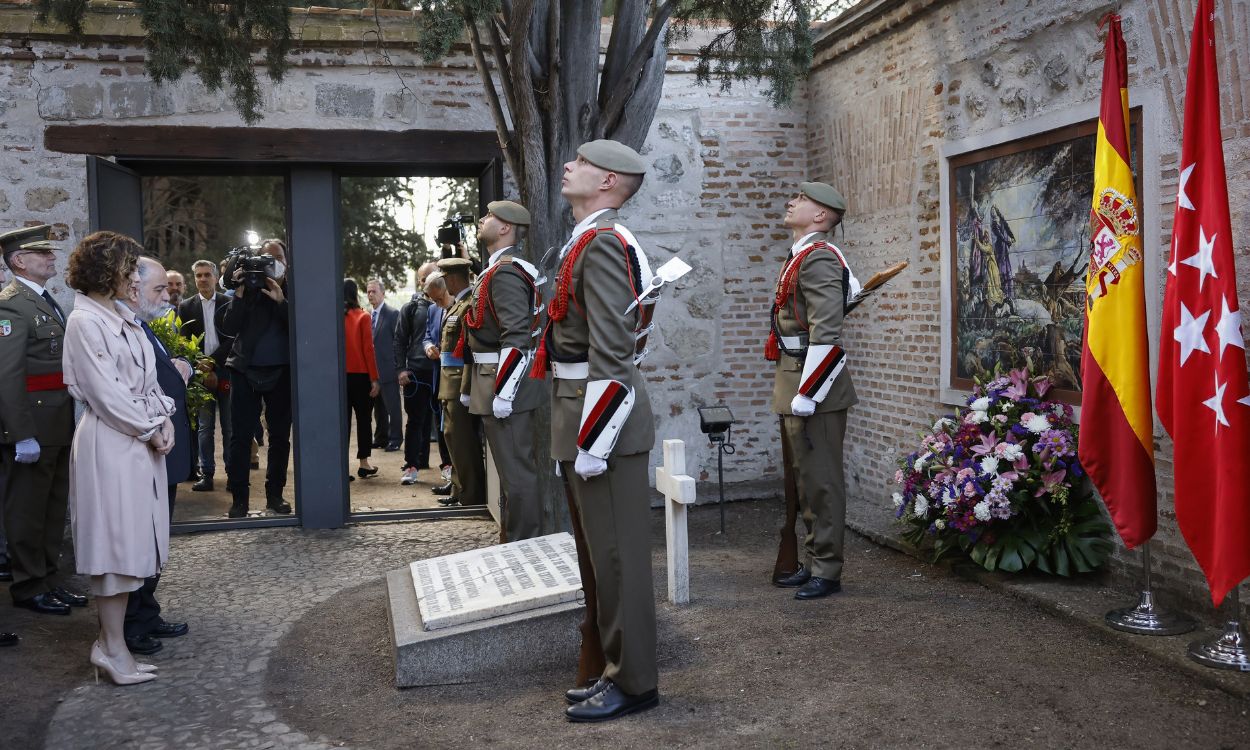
(461, 430)
(199, 315)
(118, 486)
(436, 290)
(144, 624)
(417, 376)
(6, 574)
(362, 374)
(176, 285)
(388, 429)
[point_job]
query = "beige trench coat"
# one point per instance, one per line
(118, 494)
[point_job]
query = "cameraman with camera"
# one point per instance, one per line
(260, 369)
(451, 236)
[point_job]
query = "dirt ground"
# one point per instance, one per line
(907, 656)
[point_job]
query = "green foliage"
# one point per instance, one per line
(167, 329)
(374, 243)
(213, 39)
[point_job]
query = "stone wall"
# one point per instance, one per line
(891, 90)
(723, 164)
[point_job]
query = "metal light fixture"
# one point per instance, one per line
(717, 423)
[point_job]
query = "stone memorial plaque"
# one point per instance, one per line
(494, 581)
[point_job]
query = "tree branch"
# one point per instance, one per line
(628, 26)
(510, 150)
(610, 114)
(501, 62)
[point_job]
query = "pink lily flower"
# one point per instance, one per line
(1019, 387)
(1050, 481)
(987, 445)
(1042, 385)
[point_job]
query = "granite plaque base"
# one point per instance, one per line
(537, 638)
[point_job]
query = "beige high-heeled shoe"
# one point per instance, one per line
(100, 661)
(96, 649)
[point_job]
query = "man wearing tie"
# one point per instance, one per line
(36, 423)
(199, 315)
(388, 430)
(143, 614)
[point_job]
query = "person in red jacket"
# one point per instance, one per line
(362, 375)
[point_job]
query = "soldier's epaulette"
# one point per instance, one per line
(10, 291)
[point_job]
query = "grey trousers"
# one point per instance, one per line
(616, 518)
(388, 416)
(512, 450)
(816, 448)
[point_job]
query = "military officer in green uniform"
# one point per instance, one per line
(601, 423)
(468, 468)
(36, 423)
(498, 325)
(812, 391)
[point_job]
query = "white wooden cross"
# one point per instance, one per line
(678, 490)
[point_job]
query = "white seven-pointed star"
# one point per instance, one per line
(1189, 333)
(1172, 265)
(1216, 403)
(1182, 200)
(1244, 401)
(1203, 260)
(1229, 328)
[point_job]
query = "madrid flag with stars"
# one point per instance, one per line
(1203, 398)
(1117, 433)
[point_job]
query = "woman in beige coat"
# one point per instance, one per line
(117, 490)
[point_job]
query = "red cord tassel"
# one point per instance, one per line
(459, 350)
(539, 368)
(772, 350)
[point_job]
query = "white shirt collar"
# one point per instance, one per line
(495, 256)
(39, 290)
(586, 223)
(209, 298)
(805, 239)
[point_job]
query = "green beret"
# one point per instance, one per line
(454, 265)
(513, 213)
(824, 194)
(613, 156)
(12, 241)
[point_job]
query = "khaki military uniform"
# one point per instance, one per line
(813, 319)
(614, 507)
(468, 468)
(34, 403)
(505, 295)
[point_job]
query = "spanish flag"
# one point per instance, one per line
(1116, 445)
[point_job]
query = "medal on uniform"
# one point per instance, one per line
(54, 345)
(6, 327)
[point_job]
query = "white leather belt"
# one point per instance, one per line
(570, 370)
(793, 342)
(485, 358)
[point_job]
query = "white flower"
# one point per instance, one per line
(898, 500)
(981, 404)
(989, 465)
(982, 511)
(919, 465)
(1037, 424)
(921, 508)
(1010, 451)
(942, 424)
(940, 524)
(975, 417)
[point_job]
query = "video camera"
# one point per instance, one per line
(452, 231)
(256, 267)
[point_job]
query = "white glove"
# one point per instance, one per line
(502, 408)
(802, 406)
(27, 451)
(464, 400)
(588, 466)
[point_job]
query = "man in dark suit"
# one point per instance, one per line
(199, 314)
(143, 614)
(388, 431)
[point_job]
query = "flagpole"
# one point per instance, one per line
(1146, 618)
(1228, 651)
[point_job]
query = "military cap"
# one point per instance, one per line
(613, 156)
(513, 213)
(24, 239)
(454, 265)
(824, 194)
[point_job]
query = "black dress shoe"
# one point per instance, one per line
(69, 597)
(448, 502)
(169, 630)
(366, 473)
(6, 572)
(817, 588)
(392, 447)
(444, 490)
(795, 579)
(9, 639)
(610, 703)
(577, 695)
(237, 511)
(279, 506)
(44, 603)
(204, 485)
(143, 645)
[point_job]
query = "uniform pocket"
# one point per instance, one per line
(566, 388)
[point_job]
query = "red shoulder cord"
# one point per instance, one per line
(559, 308)
(786, 284)
(475, 316)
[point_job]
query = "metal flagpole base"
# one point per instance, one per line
(1226, 652)
(1147, 619)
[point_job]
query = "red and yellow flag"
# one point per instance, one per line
(1116, 446)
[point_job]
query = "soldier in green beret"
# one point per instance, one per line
(36, 423)
(812, 391)
(460, 428)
